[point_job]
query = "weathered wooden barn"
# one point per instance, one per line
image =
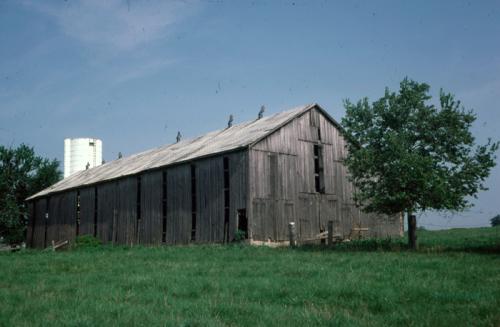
(252, 179)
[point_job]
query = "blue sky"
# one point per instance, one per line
(133, 73)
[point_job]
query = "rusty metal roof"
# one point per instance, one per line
(228, 139)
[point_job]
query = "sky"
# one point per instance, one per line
(133, 73)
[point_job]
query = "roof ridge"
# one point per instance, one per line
(238, 136)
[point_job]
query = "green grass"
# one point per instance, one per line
(454, 280)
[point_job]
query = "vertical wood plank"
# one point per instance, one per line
(87, 202)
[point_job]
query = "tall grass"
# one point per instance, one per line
(445, 284)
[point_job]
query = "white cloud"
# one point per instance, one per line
(115, 24)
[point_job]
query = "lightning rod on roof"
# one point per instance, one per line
(261, 112)
(230, 121)
(179, 136)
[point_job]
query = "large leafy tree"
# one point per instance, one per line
(22, 173)
(406, 155)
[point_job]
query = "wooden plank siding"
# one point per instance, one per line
(117, 206)
(124, 225)
(87, 210)
(62, 217)
(274, 192)
(117, 211)
(179, 204)
(381, 226)
(31, 223)
(40, 210)
(68, 216)
(296, 198)
(53, 219)
(106, 204)
(210, 197)
(238, 186)
(308, 215)
(150, 228)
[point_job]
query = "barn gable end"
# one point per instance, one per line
(297, 175)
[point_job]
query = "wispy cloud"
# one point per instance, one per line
(115, 24)
(141, 70)
(122, 41)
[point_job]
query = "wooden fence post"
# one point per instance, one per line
(292, 235)
(330, 232)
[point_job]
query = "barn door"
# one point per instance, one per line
(308, 216)
(327, 212)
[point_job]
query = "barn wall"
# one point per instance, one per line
(210, 205)
(124, 226)
(274, 193)
(382, 225)
(87, 211)
(40, 210)
(112, 215)
(210, 199)
(282, 184)
(62, 217)
(54, 218)
(179, 204)
(238, 186)
(31, 223)
(151, 223)
(117, 211)
(106, 214)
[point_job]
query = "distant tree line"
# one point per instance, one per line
(22, 173)
(495, 221)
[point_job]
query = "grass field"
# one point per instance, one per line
(454, 280)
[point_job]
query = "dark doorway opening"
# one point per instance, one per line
(319, 174)
(243, 222)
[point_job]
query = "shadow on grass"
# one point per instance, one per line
(480, 249)
(400, 245)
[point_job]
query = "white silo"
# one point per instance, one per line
(80, 152)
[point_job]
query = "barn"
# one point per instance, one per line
(247, 180)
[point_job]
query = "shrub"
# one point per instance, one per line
(87, 241)
(240, 235)
(372, 244)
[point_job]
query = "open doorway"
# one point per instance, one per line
(242, 224)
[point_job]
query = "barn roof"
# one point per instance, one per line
(236, 137)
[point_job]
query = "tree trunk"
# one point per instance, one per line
(412, 231)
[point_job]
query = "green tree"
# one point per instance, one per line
(22, 173)
(405, 155)
(495, 221)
